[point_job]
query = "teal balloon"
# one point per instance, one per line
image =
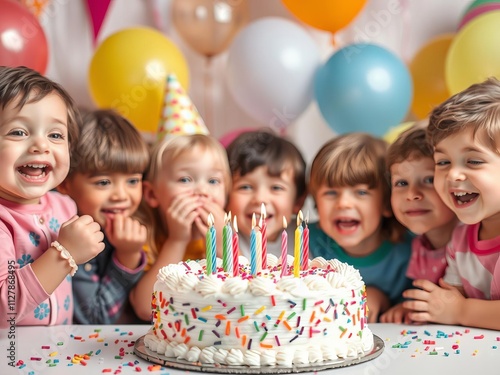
(365, 88)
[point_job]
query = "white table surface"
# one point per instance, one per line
(479, 351)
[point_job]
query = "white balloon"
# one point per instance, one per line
(270, 70)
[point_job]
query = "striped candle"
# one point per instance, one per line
(227, 237)
(236, 245)
(258, 235)
(208, 246)
(213, 245)
(263, 229)
(253, 248)
(305, 246)
(284, 250)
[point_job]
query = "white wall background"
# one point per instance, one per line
(69, 34)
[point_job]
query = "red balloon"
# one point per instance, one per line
(22, 39)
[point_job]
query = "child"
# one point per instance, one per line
(187, 179)
(465, 133)
(356, 224)
(105, 181)
(41, 238)
(267, 170)
(419, 208)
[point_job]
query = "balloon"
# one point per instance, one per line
(209, 26)
(329, 15)
(427, 71)
(478, 3)
(230, 136)
(474, 53)
(270, 68)
(363, 87)
(22, 39)
(394, 132)
(128, 72)
(477, 11)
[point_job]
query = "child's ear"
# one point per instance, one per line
(149, 195)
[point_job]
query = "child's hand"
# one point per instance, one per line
(396, 314)
(433, 303)
(181, 216)
(82, 237)
(128, 236)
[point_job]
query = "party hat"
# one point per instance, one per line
(178, 114)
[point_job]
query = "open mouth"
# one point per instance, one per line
(462, 198)
(113, 211)
(347, 225)
(34, 171)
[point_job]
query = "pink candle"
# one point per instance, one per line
(263, 229)
(236, 245)
(305, 248)
(284, 248)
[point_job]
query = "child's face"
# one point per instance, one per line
(34, 149)
(352, 216)
(196, 172)
(415, 202)
(467, 178)
(106, 195)
(257, 187)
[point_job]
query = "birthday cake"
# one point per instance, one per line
(264, 319)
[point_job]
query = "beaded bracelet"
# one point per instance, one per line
(66, 255)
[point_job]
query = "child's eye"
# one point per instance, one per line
(184, 180)
(442, 163)
(277, 188)
(362, 192)
(57, 136)
(330, 193)
(103, 183)
(400, 183)
(134, 181)
(214, 181)
(244, 187)
(17, 133)
(475, 162)
(429, 180)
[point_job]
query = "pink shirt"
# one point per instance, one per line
(425, 262)
(474, 264)
(26, 232)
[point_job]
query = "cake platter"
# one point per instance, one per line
(143, 352)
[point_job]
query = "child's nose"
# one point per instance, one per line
(201, 188)
(39, 145)
(344, 200)
(414, 193)
(456, 174)
(119, 192)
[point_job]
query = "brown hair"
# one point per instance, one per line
(352, 159)
(477, 107)
(167, 151)
(251, 150)
(410, 144)
(24, 85)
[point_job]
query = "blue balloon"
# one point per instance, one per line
(365, 88)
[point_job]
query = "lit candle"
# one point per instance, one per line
(227, 234)
(284, 248)
(297, 246)
(258, 234)
(305, 245)
(253, 248)
(263, 229)
(236, 246)
(213, 245)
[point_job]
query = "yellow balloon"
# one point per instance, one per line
(395, 131)
(474, 54)
(329, 15)
(128, 73)
(427, 71)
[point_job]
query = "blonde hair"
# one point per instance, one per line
(352, 159)
(477, 108)
(167, 151)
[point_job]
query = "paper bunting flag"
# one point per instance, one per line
(179, 116)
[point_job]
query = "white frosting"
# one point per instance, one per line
(259, 320)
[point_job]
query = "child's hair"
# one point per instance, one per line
(108, 143)
(352, 159)
(251, 150)
(24, 86)
(410, 144)
(167, 151)
(477, 107)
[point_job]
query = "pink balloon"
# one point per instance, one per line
(469, 16)
(227, 138)
(23, 40)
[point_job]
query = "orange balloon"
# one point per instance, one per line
(427, 69)
(209, 26)
(329, 15)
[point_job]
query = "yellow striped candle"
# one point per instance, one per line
(297, 246)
